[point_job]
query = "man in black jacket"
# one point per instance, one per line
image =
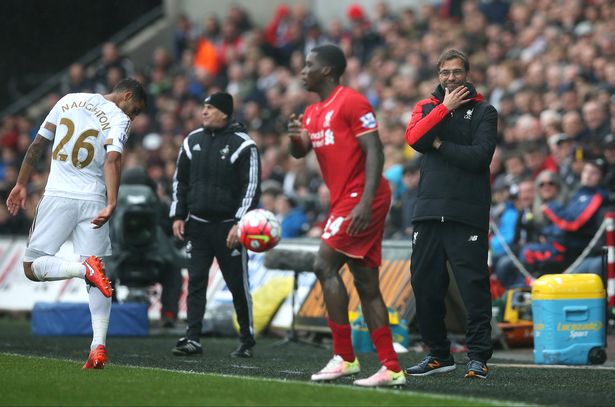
(216, 182)
(456, 132)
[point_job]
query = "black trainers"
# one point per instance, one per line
(244, 350)
(477, 369)
(187, 347)
(432, 365)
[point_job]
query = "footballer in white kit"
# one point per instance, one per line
(87, 132)
(86, 125)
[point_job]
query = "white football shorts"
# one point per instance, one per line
(58, 219)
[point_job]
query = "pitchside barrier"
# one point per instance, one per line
(17, 293)
(607, 273)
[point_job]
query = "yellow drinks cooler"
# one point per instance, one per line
(569, 316)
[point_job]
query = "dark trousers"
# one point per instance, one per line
(170, 276)
(208, 242)
(465, 248)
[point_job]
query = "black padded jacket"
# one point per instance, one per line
(218, 175)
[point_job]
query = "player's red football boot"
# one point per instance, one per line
(97, 358)
(95, 275)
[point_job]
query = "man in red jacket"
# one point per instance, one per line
(456, 132)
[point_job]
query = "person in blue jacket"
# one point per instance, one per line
(572, 225)
(292, 218)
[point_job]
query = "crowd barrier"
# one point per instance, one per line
(17, 293)
(607, 226)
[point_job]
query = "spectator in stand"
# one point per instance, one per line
(276, 32)
(500, 197)
(515, 168)
(291, 216)
(596, 119)
(608, 147)
(362, 40)
(573, 127)
(111, 58)
(76, 81)
(561, 147)
(206, 60)
(183, 35)
(573, 225)
(319, 215)
(240, 18)
(536, 159)
(513, 227)
(411, 178)
(548, 188)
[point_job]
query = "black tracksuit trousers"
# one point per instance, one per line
(465, 248)
(208, 242)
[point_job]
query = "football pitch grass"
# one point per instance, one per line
(142, 371)
(59, 383)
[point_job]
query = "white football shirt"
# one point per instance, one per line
(87, 126)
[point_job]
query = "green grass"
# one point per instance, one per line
(44, 382)
(277, 375)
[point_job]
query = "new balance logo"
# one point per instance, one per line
(235, 253)
(473, 238)
(197, 148)
(414, 236)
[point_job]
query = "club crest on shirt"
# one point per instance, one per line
(468, 115)
(224, 152)
(328, 116)
(368, 120)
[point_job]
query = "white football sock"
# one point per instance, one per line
(51, 268)
(100, 308)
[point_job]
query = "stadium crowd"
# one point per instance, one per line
(548, 67)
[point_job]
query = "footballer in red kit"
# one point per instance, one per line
(343, 132)
(333, 126)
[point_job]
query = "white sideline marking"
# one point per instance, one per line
(306, 383)
(521, 365)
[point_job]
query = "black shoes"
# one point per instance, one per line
(477, 369)
(244, 350)
(432, 365)
(187, 347)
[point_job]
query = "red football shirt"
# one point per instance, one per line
(334, 125)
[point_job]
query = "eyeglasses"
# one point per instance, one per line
(551, 183)
(456, 72)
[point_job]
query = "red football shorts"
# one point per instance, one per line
(367, 244)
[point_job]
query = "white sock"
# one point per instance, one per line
(51, 268)
(100, 308)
